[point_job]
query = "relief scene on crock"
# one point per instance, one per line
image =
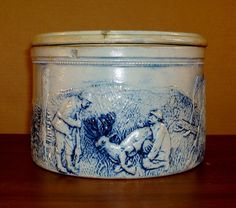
(111, 130)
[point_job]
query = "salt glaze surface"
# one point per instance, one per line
(113, 118)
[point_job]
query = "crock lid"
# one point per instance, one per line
(119, 37)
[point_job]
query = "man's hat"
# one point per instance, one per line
(156, 113)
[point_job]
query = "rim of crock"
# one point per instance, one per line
(119, 37)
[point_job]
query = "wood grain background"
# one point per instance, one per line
(20, 20)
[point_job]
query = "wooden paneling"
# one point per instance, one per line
(20, 20)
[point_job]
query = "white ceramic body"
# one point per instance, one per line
(118, 111)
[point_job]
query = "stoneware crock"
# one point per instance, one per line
(118, 104)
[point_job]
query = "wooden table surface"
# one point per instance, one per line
(24, 184)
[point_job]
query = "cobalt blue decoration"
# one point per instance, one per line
(118, 104)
